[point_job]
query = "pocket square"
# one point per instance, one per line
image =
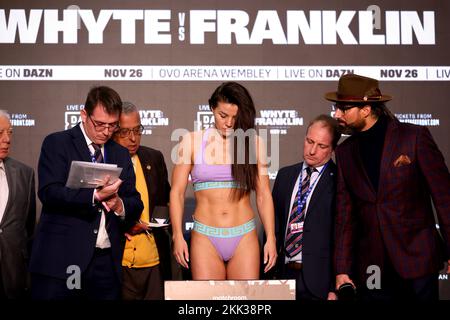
(402, 160)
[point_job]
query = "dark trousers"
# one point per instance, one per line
(393, 287)
(2, 288)
(142, 283)
(98, 282)
(301, 290)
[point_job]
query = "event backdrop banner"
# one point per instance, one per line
(167, 57)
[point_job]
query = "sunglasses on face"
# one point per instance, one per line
(344, 107)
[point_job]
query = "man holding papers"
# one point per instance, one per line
(79, 243)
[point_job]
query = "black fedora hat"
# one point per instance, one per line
(353, 88)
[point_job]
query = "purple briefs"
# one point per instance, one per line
(225, 240)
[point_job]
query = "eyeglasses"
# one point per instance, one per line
(8, 132)
(343, 107)
(125, 132)
(101, 126)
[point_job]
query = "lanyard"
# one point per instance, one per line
(302, 200)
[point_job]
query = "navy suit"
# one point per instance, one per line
(68, 227)
(318, 235)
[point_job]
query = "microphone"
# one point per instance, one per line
(346, 292)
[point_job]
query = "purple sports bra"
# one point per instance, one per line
(204, 172)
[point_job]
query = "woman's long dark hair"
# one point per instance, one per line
(246, 174)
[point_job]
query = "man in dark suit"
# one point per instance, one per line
(17, 217)
(387, 243)
(147, 256)
(78, 245)
(304, 200)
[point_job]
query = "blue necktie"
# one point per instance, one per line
(98, 153)
(294, 241)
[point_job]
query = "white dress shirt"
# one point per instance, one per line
(102, 236)
(315, 177)
(4, 190)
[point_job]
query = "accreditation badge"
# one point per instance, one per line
(297, 227)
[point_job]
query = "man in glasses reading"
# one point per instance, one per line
(78, 247)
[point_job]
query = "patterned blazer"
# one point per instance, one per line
(396, 220)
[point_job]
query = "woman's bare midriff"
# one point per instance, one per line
(217, 208)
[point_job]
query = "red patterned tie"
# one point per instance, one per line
(294, 241)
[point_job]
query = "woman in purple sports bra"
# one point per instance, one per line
(224, 241)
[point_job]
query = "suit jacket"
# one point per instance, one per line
(68, 227)
(16, 227)
(396, 221)
(318, 229)
(156, 178)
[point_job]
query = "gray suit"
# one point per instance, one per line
(16, 228)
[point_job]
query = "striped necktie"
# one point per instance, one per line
(294, 241)
(105, 219)
(97, 153)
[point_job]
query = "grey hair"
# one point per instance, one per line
(128, 107)
(4, 113)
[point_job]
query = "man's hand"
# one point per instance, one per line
(107, 195)
(332, 296)
(107, 190)
(136, 229)
(139, 228)
(115, 203)
(343, 278)
(448, 266)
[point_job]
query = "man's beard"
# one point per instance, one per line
(346, 130)
(351, 129)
